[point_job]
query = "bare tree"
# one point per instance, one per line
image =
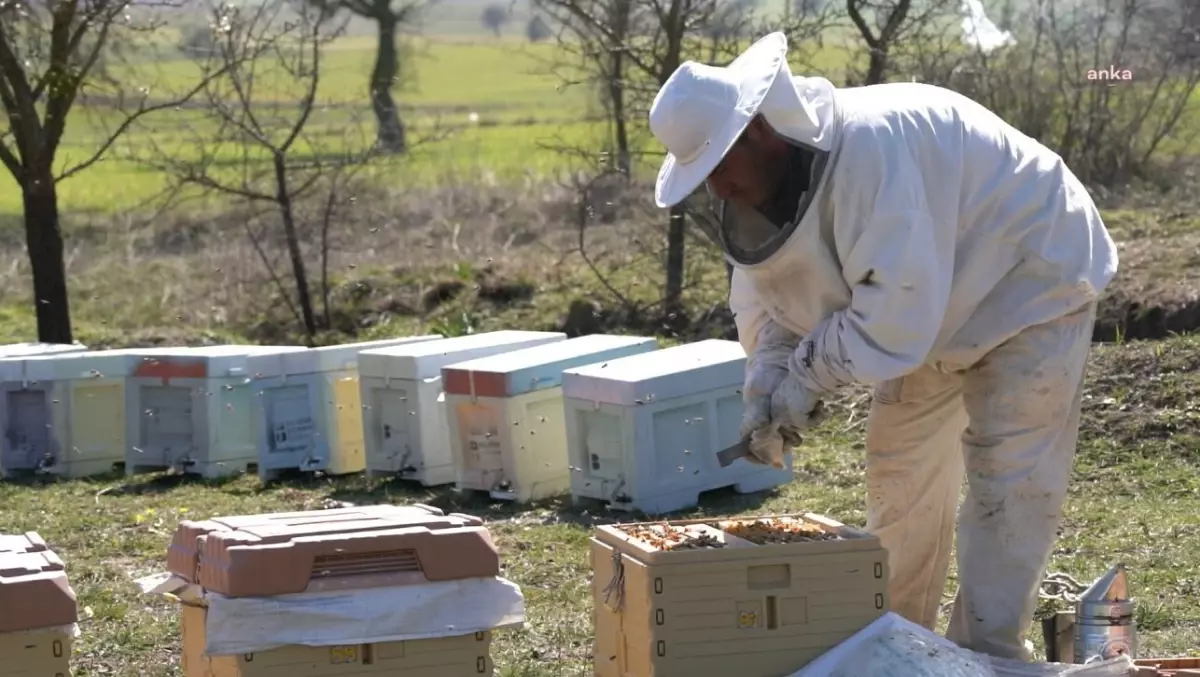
(627, 49)
(51, 57)
(390, 17)
(883, 25)
(495, 18)
(1064, 82)
(262, 152)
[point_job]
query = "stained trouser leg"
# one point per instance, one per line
(914, 474)
(1022, 402)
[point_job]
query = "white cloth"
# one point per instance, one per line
(1012, 420)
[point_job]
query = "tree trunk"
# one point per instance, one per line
(616, 84)
(391, 135)
(876, 66)
(673, 297)
(44, 240)
(299, 274)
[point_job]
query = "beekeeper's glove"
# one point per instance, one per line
(771, 426)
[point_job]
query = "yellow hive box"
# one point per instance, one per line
(691, 598)
(36, 653)
(464, 656)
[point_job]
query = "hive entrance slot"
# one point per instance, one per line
(365, 563)
(772, 613)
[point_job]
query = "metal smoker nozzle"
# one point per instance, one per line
(1108, 596)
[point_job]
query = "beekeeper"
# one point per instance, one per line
(903, 236)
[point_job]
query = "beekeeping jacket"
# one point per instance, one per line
(951, 261)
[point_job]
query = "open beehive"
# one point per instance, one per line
(308, 410)
(324, 550)
(757, 597)
(643, 431)
(507, 430)
(37, 609)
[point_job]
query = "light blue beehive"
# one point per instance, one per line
(643, 431)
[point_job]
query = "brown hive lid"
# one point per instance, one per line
(34, 591)
(282, 559)
(183, 556)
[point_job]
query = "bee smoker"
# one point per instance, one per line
(1104, 625)
(1101, 626)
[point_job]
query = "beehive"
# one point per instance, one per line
(308, 416)
(193, 409)
(505, 412)
(643, 431)
(288, 553)
(404, 420)
(32, 440)
(88, 404)
(319, 551)
(462, 656)
(692, 598)
(38, 609)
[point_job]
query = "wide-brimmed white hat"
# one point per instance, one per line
(702, 110)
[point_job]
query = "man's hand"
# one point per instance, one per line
(773, 422)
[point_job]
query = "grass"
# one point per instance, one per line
(1135, 498)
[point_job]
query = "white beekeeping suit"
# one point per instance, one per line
(938, 254)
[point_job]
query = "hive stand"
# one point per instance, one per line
(507, 431)
(643, 431)
(740, 609)
(37, 609)
(31, 440)
(195, 410)
(404, 420)
(308, 411)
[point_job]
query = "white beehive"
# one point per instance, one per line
(404, 420)
(505, 413)
(307, 413)
(192, 409)
(88, 404)
(643, 431)
(30, 442)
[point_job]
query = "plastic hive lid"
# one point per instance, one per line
(540, 367)
(660, 375)
(34, 591)
(36, 349)
(280, 559)
(183, 555)
(427, 358)
(345, 356)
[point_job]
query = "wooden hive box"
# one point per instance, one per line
(1168, 667)
(721, 605)
(461, 656)
(37, 608)
(323, 550)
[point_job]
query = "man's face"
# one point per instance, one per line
(752, 171)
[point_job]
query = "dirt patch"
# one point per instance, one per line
(1157, 288)
(1142, 394)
